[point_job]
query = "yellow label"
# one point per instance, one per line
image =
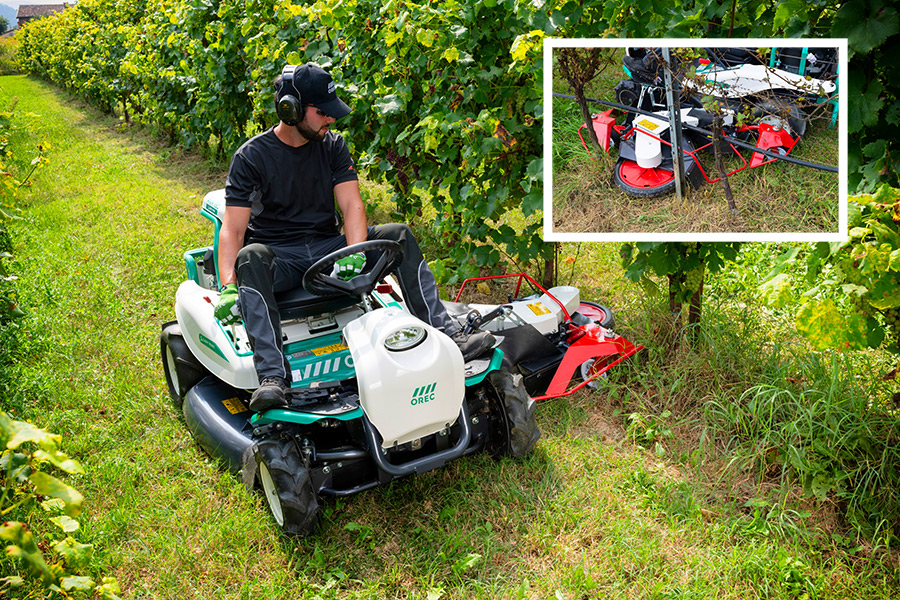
(328, 349)
(646, 124)
(538, 309)
(234, 406)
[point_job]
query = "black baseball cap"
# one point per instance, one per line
(315, 86)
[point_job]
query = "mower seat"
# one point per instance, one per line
(298, 303)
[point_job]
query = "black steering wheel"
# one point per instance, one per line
(315, 280)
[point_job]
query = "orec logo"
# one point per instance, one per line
(423, 394)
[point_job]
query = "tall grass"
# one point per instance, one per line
(753, 412)
(9, 64)
(827, 433)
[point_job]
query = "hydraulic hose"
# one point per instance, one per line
(745, 145)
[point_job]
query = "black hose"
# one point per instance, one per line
(739, 143)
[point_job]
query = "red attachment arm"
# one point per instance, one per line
(769, 138)
(593, 345)
(695, 157)
(603, 124)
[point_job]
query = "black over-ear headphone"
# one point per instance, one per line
(288, 108)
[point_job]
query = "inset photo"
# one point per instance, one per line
(695, 140)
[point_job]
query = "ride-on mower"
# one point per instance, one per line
(377, 394)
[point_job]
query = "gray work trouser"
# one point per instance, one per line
(263, 270)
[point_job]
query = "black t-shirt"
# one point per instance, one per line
(290, 191)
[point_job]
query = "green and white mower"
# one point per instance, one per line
(377, 394)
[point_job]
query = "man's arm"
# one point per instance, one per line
(352, 207)
(231, 240)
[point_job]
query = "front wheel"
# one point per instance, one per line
(635, 180)
(180, 367)
(286, 486)
(514, 431)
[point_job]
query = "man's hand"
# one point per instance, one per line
(226, 310)
(349, 267)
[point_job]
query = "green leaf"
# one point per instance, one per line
(822, 324)
(450, 55)
(23, 432)
(863, 111)
(66, 523)
(78, 583)
(109, 588)
(649, 286)
(53, 505)
(820, 486)
(76, 555)
(22, 546)
(425, 37)
(875, 334)
(388, 105)
(48, 485)
(789, 10)
(892, 114)
(866, 24)
(777, 291)
(60, 460)
(467, 562)
(458, 31)
(885, 291)
(12, 582)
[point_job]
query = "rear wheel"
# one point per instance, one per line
(514, 431)
(598, 313)
(181, 368)
(286, 486)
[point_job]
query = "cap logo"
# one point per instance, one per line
(331, 87)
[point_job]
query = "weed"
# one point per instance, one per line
(649, 431)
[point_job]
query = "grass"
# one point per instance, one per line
(592, 513)
(775, 198)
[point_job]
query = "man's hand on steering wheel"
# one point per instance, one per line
(349, 267)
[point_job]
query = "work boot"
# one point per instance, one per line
(269, 394)
(473, 344)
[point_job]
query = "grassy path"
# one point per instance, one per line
(587, 516)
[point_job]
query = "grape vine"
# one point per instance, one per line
(685, 265)
(452, 88)
(853, 295)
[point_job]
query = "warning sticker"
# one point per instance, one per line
(234, 406)
(328, 349)
(648, 124)
(538, 308)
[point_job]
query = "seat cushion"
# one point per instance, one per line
(298, 303)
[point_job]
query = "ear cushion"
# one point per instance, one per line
(289, 110)
(288, 106)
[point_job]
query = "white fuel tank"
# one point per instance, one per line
(410, 375)
(648, 149)
(543, 313)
